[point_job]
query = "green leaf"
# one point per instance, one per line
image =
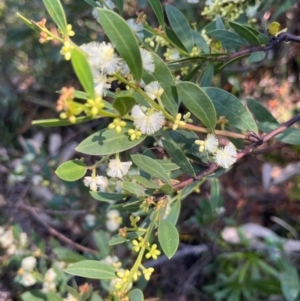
(173, 216)
(96, 297)
(186, 140)
(227, 38)
(289, 136)
(173, 37)
(79, 94)
(168, 237)
(177, 156)
(91, 269)
(180, 26)
(107, 197)
(101, 239)
(37, 295)
(120, 5)
(161, 71)
(257, 56)
(107, 142)
(263, 39)
(266, 268)
(215, 193)
(290, 284)
(222, 293)
(192, 73)
(253, 30)
(169, 100)
(200, 42)
(57, 13)
(245, 33)
(259, 111)
(198, 103)
(66, 255)
(150, 166)
(207, 76)
(61, 122)
(167, 165)
(53, 297)
(166, 189)
(269, 287)
(34, 295)
(163, 75)
(235, 294)
(187, 190)
(134, 202)
(221, 66)
(73, 292)
(83, 71)
(134, 188)
(158, 10)
(123, 39)
(91, 3)
(145, 182)
(22, 32)
(116, 240)
(71, 170)
(234, 111)
(141, 100)
(123, 103)
(219, 23)
(136, 295)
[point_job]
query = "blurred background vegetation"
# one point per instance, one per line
(216, 261)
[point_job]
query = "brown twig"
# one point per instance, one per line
(33, 211)
(282, 37)
(200, 129)
(268, 149)
(257, 141)
(54, 232)
(61, 212)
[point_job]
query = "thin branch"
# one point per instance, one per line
(64, 212)
(281, 128)
(256, 141)
(268, 149)
(266, 137)
(54, 232)
(283, 37)
(200, 129)
(33, 212)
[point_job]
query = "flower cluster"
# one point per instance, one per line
(28, 274)
(96, 182)
(113, 220)
(178, 122)
(153, 252)
(49, 284)
(226, 156)
(223, 156)
(171, 54)
(117, 124)
(65, 104)
(228, 9)
(125, 277)
(13, 246)
(105, 62)
(102, 57)
(116, 169)
(26, 271)
(147, 120)
(138, 244)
